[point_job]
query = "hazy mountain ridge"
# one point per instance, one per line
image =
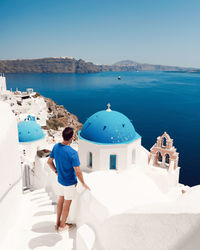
(129, 64)
(125, 63)
(71, 65)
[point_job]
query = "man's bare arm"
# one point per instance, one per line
(80, 177)
(52, 165)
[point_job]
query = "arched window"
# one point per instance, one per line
(164, 142)
(159, 157)
(90, 159)
(167, 158)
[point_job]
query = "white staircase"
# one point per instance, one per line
(35, 227)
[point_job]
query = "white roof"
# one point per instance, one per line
(119, 192)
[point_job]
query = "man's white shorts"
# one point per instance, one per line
(69, 192)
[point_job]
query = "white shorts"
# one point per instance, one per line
(69, 192)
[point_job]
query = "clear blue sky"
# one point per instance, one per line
(153, 31)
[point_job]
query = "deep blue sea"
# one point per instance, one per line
(154, 101)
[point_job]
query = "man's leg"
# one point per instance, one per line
(65, 212)
(59, 209)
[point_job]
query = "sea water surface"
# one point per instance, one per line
(155, 102)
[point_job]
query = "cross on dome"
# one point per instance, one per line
(108, 109)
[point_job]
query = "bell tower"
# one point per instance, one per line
(163, 154)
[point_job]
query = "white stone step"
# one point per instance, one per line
(35, 230)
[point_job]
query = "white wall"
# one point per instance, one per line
(150, 221)
(163, 178)
(10, 177)
(151, 232)
(2, 84)
(40, 173)
(85, 238)
(44, 177)
(101, 155)
(31, 148)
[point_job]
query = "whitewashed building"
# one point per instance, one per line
(108, 140)
(10, 177)
(2, 83)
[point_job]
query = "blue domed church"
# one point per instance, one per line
(29, 130)
(108, 140)
(31, 136)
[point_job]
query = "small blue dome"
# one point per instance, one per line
(108, 127)
(29, 131)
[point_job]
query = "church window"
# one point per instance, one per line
(167, 158)
(159, 157)
(90, 159)
(164, 142)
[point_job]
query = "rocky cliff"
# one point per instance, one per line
(47, 65)
(59, 117)
(71, 65)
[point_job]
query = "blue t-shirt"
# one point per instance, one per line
(66, 158)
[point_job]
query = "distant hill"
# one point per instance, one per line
(126, 63)
(71, 65)
(129, 65)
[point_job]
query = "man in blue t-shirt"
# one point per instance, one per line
(68, 169)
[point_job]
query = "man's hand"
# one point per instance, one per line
(86, 186)
(80, 177)
(51, 165)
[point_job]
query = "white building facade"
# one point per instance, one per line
(10, 177)
(108, 140)
(2, 83)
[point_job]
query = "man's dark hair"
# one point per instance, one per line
(67, 133)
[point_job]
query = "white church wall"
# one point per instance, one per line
(96, 160)
(101, 155)
(132, 152)
(119, 151)
(126, 155)
(83, 152)
(10, 178)
(142, 156)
